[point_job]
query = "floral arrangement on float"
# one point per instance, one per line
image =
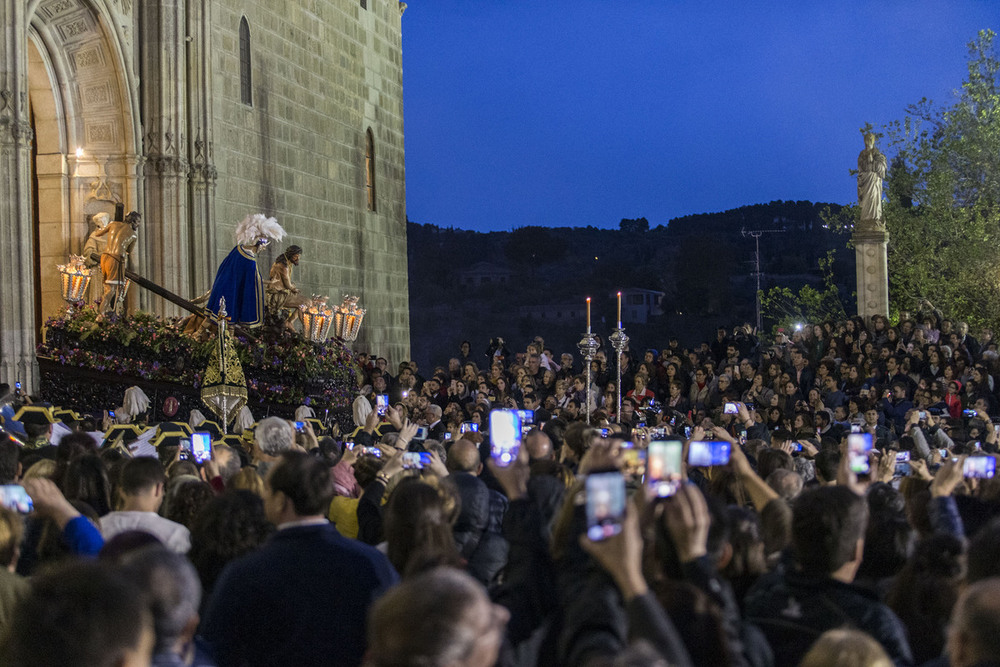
(280, 369)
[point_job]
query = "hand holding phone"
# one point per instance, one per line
(605, 504)
(505, 437)
(14, 497)
(706, 453)
(979, 467)
(664, 467)
(858, 446)
(201, 447)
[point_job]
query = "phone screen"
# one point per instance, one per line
(527, 417)
(422, 433)
(411, 460)
(300, 426)
(381, 403)
(633, 460)
(348, 445)
(902, 464)
(201, 447)
(468, 427)
(14, 497)
(663, 467)
(706, 453)
(858, 446)
(505, 436)
(605, 504)
(982, 467)
(730, 409)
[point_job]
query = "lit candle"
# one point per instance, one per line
(619, 310)
(588, 314)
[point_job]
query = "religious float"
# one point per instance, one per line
(238, 347)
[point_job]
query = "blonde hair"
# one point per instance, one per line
(43, 469)
(247, 479)
(846, 648)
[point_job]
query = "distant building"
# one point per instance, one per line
(564, 313)
(638, 305)
(484, 273)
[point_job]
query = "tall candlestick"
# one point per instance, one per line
(619, 310)
(588, 313)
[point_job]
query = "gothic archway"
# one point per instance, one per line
(82, 107)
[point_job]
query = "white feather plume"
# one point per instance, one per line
(256, 226)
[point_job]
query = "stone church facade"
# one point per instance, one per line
(197, 113)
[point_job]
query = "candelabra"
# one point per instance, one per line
(347, 319)
(619, 341)
(588, 348)
(316, 319)
(75, 281)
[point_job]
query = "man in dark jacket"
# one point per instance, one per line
(480, 521)
(793, 610)
(302, 598)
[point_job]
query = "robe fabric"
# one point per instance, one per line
(239, 281)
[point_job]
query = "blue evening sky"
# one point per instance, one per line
(583, 112)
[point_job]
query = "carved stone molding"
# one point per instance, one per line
(167, 165)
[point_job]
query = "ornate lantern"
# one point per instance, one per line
(347, 319)
(316, 319)
(75, 280)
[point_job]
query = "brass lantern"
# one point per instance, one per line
(347, 319)
(75, 280)
(316, 319)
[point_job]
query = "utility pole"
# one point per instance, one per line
(756, 234)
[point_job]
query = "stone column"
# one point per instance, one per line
(17, 281)
(872, 270)
(202, 174)
(165, 231)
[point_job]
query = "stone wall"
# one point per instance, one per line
(324, 71)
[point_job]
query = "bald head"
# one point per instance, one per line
(974, 634)
(464, 457)
(539, 445)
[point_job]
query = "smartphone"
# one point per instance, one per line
(796, 446)
(981, 467)
(527, 417)
(730, 409)
(968, 413)
(201, 447)
(300, 426)
(658, 433)
(922, 415)
(902, 464)
(604, 432)
(185, 453)
(605, 504)
(640, 424)
(111, 413)
(422, 433)
(405, 393)
(687, 431)
(468, 427)
(750, 407)
(14, 497)
(411, 461)
(858, 446)
(505, 437)
(704, 453)
(447, 435)
(944, 453)
(349, 445)
(371, 451)
(381, 404)
(663, 467)
(633, 460)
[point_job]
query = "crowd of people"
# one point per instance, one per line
(404, 540)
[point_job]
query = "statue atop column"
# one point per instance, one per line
(122, 236)
(871, 172)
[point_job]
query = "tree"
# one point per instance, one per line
(784, 308)
(943, 208)
(637, 225)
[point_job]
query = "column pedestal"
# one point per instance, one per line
(872, 271)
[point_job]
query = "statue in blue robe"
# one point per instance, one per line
(239, 282)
